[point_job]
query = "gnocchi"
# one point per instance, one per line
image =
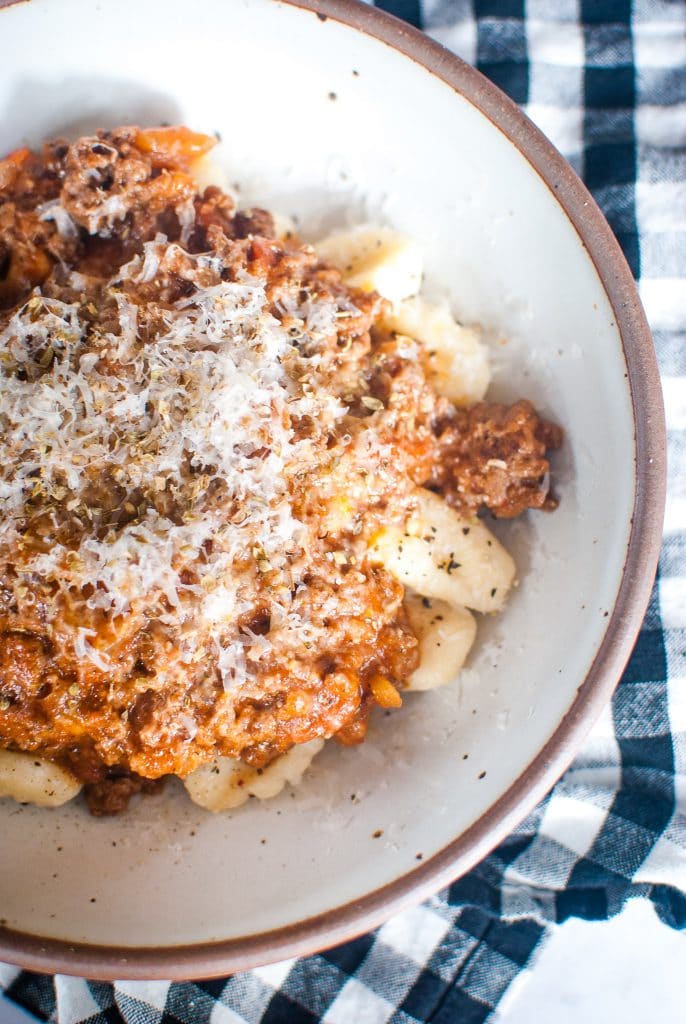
(34, 780)
(455, 358)
(441, 555)
(445, 633)
(225, 783)
(376, 259)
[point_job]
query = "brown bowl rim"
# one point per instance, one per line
(205, 960)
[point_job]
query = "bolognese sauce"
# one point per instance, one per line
(203, 427)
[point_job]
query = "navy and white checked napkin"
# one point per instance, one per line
(606, 81)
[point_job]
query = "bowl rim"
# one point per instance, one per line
(342, 923)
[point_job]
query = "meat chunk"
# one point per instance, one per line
(30, 243)
(494, 456)
(113, 794)
(25, 259)
(109, 179)
(98, 198)
(253, 222)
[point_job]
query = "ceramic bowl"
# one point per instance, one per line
(334, 112)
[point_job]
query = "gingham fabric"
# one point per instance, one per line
(606, 81)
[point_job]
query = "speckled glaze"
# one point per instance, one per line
(354, 115)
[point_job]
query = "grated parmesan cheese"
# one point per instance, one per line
(54, 211)
(84, 649)
(192, 403)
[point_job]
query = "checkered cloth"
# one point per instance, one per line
(606, 81)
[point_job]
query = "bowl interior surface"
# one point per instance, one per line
(332, 126)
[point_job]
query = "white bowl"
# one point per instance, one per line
(336, 113)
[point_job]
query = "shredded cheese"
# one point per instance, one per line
(194, 404)
(54, 211)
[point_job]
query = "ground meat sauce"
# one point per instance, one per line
(105, 247)
(494, 457)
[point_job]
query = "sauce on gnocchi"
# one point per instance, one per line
(241, 479)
